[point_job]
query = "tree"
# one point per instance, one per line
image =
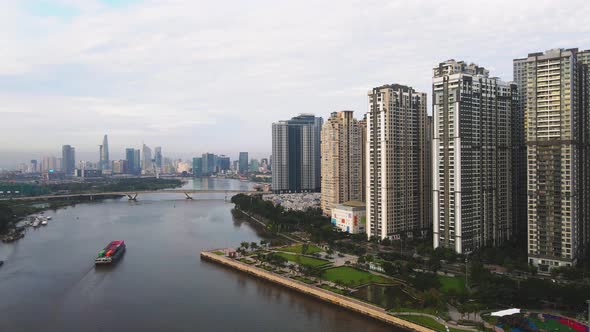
(253, 245)
(244, 245)
(304, 248)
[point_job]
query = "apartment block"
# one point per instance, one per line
(396, 162)
(472, 157)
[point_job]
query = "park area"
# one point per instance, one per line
(300, 248)
(353, 277)
(303, 260)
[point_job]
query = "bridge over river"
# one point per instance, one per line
(133, 194)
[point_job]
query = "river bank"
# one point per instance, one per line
(13, 212)
(339, 300)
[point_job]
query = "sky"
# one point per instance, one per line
(195, 76)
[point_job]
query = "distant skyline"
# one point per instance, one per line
(196, 77)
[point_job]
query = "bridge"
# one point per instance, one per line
(133, 194)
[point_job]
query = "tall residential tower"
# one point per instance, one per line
(472, 157)
(556, 105)
(397, 162)
(341, 160)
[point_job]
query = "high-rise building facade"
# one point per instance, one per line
(137, 161)
(472, 157)
(395, 161)
(341, 162)
(224, 163)
(132, 168)
(243, 163)
(197, 166)
(120, 167)
(68, 156)
(296, 154)
(208, 160)
(158, 157)
(147, 167)
(363, 134)
(104, 162)
(556, 107)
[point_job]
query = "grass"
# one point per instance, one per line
(220, 253)
(430, 311)
(333, 289)
(303, 260)
(428, 322)
(448, 283)
(305, 280)
(243, 260)
(297, 249)
(267, 268)
(353, 277)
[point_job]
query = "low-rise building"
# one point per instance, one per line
(350, 217)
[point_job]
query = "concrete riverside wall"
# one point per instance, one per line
(343, 301)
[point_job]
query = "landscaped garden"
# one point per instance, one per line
(452, 283)
(299, 249)
(428, 322)
(303, 260)
(353, 277)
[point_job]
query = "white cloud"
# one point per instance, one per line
(197, 75)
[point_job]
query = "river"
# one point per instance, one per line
(49, 283)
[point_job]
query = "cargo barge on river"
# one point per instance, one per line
(111, 253)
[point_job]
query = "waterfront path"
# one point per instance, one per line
(340, 300)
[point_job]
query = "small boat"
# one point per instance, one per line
(36, 223)
(48, 217)
(44, 222)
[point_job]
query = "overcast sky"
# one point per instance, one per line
(196, 76)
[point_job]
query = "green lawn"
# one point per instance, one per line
(220, 253)
(296, 249)
(448, 283)
(428, 322)
(303, 260)
(333, 289)
(243, 260)
(305, 280)
(353, 277)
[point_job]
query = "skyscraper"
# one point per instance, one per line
(396, 161)
(104, 162)
(341, 160)
(147, 166)
(68, 156)
(472, 157)
(136, 161)
(197, 166)
(243, 163)
(132, 167)
(296, 154)
(208, 160)
(556, 102)
(223, 163)
(158, 157)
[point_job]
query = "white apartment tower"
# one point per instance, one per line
(472, 157)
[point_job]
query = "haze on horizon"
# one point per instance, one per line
(195, 76)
